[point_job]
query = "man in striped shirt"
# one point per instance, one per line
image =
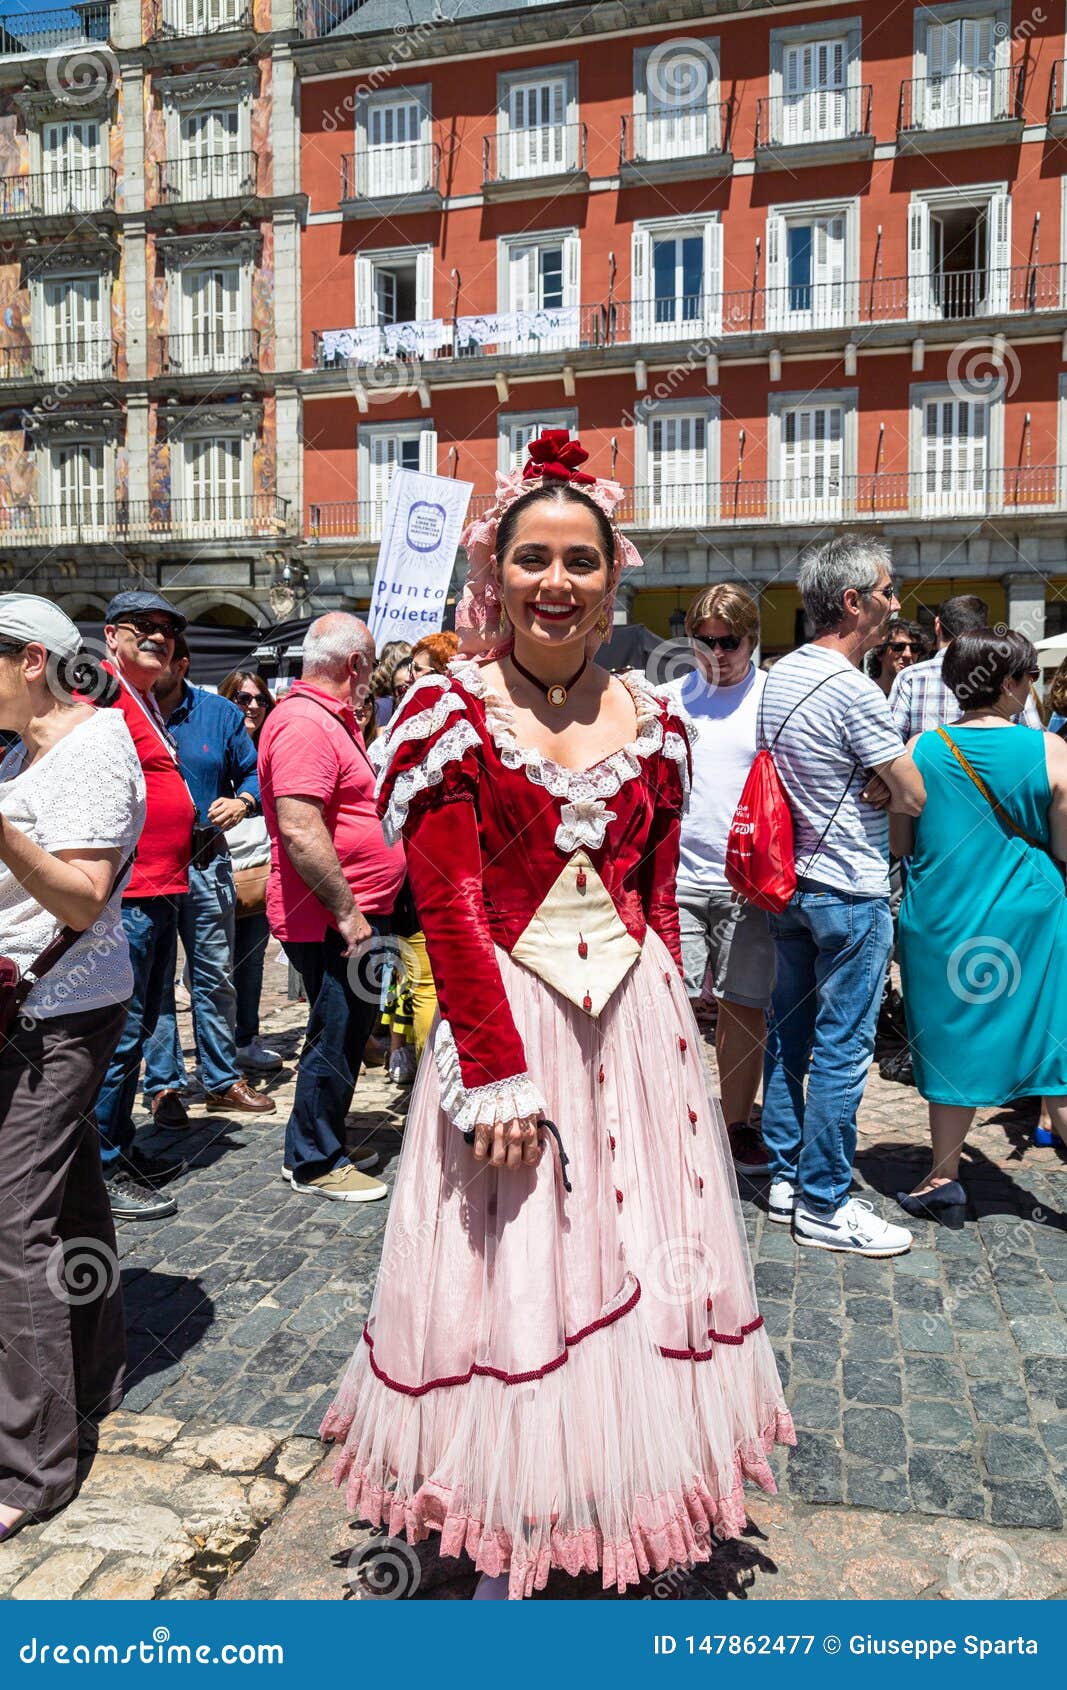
(920, 700)
(842, 763)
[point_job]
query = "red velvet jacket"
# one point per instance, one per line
(489, 827)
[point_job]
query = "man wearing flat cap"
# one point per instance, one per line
(140, 629)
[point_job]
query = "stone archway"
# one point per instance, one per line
(222, 610)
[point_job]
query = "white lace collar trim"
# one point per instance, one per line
(603, 779)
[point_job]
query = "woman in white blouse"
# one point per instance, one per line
(71, 810)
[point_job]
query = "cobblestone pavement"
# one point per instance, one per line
(931, 1386)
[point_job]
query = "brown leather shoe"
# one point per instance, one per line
(168, 1110)
(239, 1100)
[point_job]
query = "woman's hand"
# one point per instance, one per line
(509, 1144)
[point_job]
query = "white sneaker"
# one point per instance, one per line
(363, 1163)
(258, 1059)
(781, 1201)
(854, 1227)
(342, 1184)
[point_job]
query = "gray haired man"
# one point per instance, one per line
(843, 764)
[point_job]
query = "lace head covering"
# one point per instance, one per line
(554, 457)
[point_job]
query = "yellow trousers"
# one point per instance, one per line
(423, 991)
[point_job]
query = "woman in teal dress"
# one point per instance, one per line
(983, 924)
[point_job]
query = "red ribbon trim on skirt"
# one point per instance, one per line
(551, 1366)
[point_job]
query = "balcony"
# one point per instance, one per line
(187, 181)
(1057, 104)
(88, 520)
(209, 352)
(824, 126)
(974, 108)
(527, 333)
(75, 360)
(822, 497)
(316, 18)
(197, 18)
(673, 145)
(58, 193)
(378, 181)
(532, 163)
(40, 30)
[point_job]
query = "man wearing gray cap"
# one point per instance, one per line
(140, 628)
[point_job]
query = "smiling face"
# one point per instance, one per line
(554, 577)
(142, 648)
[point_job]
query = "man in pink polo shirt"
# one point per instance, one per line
(333, 884)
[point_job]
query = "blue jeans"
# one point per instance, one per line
(249, 951)
(205, 926)
(339, 1024)
(832, 950)
(151, 926)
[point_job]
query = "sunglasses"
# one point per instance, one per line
(902, 645)
(717, 642)
(247, 699)
(1031, 674)
(888, 592)
(149, 625)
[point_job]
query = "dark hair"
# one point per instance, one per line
(876, 657)
(556, 492)
(233, 684)
(964, 614)
(978, 664)
(1057, 692)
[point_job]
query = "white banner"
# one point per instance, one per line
(423, 521)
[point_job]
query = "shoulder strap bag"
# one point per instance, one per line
(16, 986)
(998, 809)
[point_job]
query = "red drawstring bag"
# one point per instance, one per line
(759, 847)
(760, 864)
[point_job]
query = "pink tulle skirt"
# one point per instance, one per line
(577, 1380)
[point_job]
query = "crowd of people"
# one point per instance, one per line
(538, 851)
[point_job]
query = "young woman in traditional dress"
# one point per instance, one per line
(564, 1365)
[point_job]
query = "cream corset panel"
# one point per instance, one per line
(575, 940)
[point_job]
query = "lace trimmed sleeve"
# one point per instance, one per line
(431, 741)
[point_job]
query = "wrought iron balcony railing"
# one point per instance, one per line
(39, 29)
(937, 296)
(988, 94)
(821, 496)
(75, 360)
(822, 114)
(528, 155)
(212, 177)
(208, 351)
(200, 17)
(377, 173)
(58, 193)
(317, 18)
(675, 133)
(90, 519)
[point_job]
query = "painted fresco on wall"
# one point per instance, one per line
(18, 470)
(14, 152)
(122, 475)
(155, 143)
(15, 336)
(118, 316)
(116, 153)
(263, 297)
(260, 130)
(265, 450)
(158, 472)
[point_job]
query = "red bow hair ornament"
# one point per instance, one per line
(555, 454)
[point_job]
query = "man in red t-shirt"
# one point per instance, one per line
(333, 884)
(140, 628)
